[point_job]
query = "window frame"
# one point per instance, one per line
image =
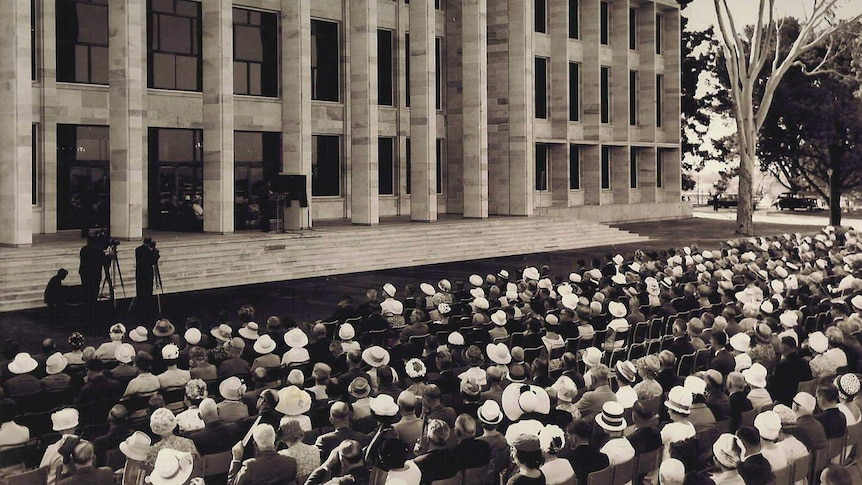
(605, 162)
(338, 88)
(541, 109)
(605, 95)
(67, 48)
(268, 65)
(574, 167)
(604, 23)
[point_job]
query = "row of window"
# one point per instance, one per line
(543, 154)
(541, 19)
(542, 93)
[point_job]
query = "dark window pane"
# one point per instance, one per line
(606, 94)
(83, 177)
(174, 39)
(82, 63)
(438, 68)
(659, 26)
(408, 177)
(33, 45)
(240, 15)
(187, 73)
(574, 19)
(659, 101)
(166, 6)
(82, 36)
(633, 28)
(633, 168)
(407, 72)
(574, 91)
(540, 16)
(606, 167)
(187, 9)
(541, 167)
(384, 68)
(248, 45)
(386, 166)
(34, 150)
(99, 65)
(604, 23)
(176, 34)
(439, 153)
(325, 51)
(248, 146)
(92, 24)
(254, 18)
(240, 77)
(175, 179)
(163, 71)
(541, 87)
(633, 98)
(574, 167)
(326, 166)
(254, 79)
(255, 52)
(659, 169)
(176, 145)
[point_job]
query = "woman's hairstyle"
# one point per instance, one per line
(530, 459)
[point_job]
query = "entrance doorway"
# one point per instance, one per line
(83, 177)
(176, 180)
(543, 196)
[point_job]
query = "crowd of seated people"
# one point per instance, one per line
(733, 366)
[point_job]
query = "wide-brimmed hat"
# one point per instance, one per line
(627, 370)
(66, 418)
(481, 303)
(489, 412)
(477, 292)
(231, 388)
(498, 353)
(763, 333)
(164, 328)
(755, 375)
(138, 334)
(726, 451)
(359, 388)
(293, 401)
(427, 289)
(250, 331)
(679, 399)
(384, 405)
(222, 333)
(521, 399)
(136, 446)
(192, 336)
(818, 342)
(592, 357)
(295, 338)
(455, 338)
(566, 389)
(55, 363)
(346, 332)
(612, 417)
(530, 273)
(170, 352)
(389, 289)
(22, 364)
(740, 342)
(499, 318)
(172, 467)
(124, 353)
(264, 345)
(375, 356)
(742, 362)
(856, 301)
(769, 425)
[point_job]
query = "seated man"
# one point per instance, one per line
(833, 420)
(584, 457)
(267, 467)
(438, 463)
(84, 472)
(755, 468)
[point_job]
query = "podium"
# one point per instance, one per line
(292, 211)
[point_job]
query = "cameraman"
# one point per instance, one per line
(93, 261)
(146, 259)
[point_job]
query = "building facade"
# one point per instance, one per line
(178, 114)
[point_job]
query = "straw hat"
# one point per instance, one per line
(265, 344)
(592, 357)
(375, 356)
(427, 289)
(531, 273)
(164, 328)
(295, 338)
(498, 353)
(22, 364)
(476, 280)
(55, 363)
(231, 388)
(627, 370)
(293, 401)
(389, 289)
(346, 332)
(222, 333)
(679, 399)
(384, 405)
(489, 412)
(172, 467)
(359, 388)
(499, 318)
(611, 417)
(250, 331)
(136, 446)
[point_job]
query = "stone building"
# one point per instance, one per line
(178, 114)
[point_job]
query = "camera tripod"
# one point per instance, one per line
(157, 287)
(112, 269)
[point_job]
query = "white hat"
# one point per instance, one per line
(619, 279)
(856, 301)
(264, 345)
(172, 467)
(346, 332)
(617, 309)
(136, 446)
(477, 292)
(566, 389)
(192, 336)
(139, 334)
(444, 308)
(726, 451)
(552, 438)
(570, 301)
(455, 338)
(66, 418)
(296, 338)
(293, 401)
(499, 318)
(740, 342)
(503, 274)
(250, 331)
(546, 283)
(519, 400)
(612, 417)
(575, 278)
(481, 303)
(170, 352)
(415, 368)
(489, 412)
(818, 342)
(565, 289)
(231, 388)
(55, 363)
(222, 333)
(743, 361)
(805, 401)
(531, 273)
(767, 306)
(295, 377)
(375, 356)
(695, 385)
(427, 289)
(476, 280)
(498, 353)
(124, 353)
(389, 289)
(592, 357)
(755, 375)
(384, 405)
(552, 319)
(789, 319)
(679, 399)
(769, 425)
(444, 285)
(118, 329)
(22, 364)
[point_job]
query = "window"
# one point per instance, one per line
(659, 27)
(33, 21)
(540, 15)
(439, 153)
(408, 178)
(325, 51)
(255, 53)
(574, 91)
(574, 19)
(574, 167)
(541, 167)
(407, 72)
(633, 29)
(633, 98)
(176, 179)
(659, 102)
(606, 168)
(83, 177)
(438, 72)
(541, 87)
(386, 166)
(606, 94)
(34, 163)
(605, 23)
(659, 169)
(633, 167)
(82, 41)
(384, 68)
(257, 160)
(326, 166)
(174, 40)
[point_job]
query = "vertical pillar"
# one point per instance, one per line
(559, 30)
(16, 148)
(559, 164)
(590, 69)
(591, 174)
(127, 75)
(621, 173)
(619, 11)
(521, 112)
(218, 115)
(454, 99)
(646, 177)
(475, 107)
(423, 114)
(46, 74)
(364, 198)
(296, 105)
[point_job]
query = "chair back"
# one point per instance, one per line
(115, 459)
(476, 476)
(783, 476)
(854, 437)
(601, 477)
(801, 467)
(821, 460)
(636, 351)
(624, 472)
(702, 359)
(685, 365)
(533, 353)
(38, 476)
(26, 454)
(747, 418)
(836, 446)
(807, 386)
(216, 467)
(647, 462)
(455, 480)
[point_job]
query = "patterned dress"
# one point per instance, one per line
(307, 459)
(174, 443)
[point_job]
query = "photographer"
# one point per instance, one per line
(93, 262)
(146, 259)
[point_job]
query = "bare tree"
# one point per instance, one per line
(746, 56)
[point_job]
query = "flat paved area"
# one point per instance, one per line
(773, 216)
(314, 298)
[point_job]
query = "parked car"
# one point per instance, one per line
(793, 201)
(724, 200)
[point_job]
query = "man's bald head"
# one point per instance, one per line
(407, 402)
(465, 427)
(339, 414)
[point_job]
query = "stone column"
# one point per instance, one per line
(521, 110)
(646, 175)
(364, 197)
(296, 106)
(621, 174)
(559, 30)
(218, 115)
(559, 164)
(475, 107)
(423, 114)
(16, 148)
(591, 174)
(46, 74)
(127, 77)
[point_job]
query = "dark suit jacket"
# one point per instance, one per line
(811, 433)
(591, 403)
(216, 437)
(437, 465)
(267, 468)
(681, 346)
(585, 459)
(644, 440)
(789, 372)
(739, 404)
(233, 367)
(109, 441)
(756, 470)
(22, 385)
(719, 404)
(472, 453)
(100, 387)
(329, 441)
(723, 362)
(89, 476)
(834, 422)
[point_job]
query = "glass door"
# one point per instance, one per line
(543, 176)
(176, 180)
(83, 177)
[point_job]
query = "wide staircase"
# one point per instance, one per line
(201, 261)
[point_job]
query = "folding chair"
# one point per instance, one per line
(38, 476)
(601, 477)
